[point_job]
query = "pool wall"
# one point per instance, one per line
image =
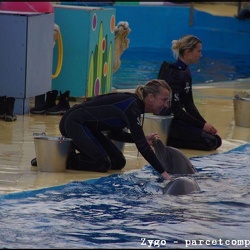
(157, 26)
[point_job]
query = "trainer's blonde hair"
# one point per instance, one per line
(184, 43)
(151, 87)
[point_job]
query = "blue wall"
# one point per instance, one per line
(157, 26)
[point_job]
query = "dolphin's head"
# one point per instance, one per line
(172, 159)
(181, 185)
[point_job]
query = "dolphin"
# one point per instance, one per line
(175, 162)
(172, 159)
(181, 185)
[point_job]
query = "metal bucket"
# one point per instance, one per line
(51, 152)
(242, 109)
(159, 124)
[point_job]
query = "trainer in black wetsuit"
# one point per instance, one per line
(89, 123)
(188, 128)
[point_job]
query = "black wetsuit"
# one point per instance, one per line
(186, 129)
(93, 123)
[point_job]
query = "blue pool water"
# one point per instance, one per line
(140, 65)
(131, 211)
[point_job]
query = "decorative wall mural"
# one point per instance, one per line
(101, 60)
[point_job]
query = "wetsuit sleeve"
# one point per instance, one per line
(191, 108)
(177, 103)
(133, 114)
(120, 135)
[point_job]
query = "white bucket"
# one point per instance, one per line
(159, 124)
(51, 152)
(241, 109)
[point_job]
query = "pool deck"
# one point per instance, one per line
(218, 8)
(214, 100)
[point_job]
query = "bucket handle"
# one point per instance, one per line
(39, 134)
(61, 139)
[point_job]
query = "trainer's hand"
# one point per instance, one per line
(210, 129)
(151, 137)
(166, 176)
